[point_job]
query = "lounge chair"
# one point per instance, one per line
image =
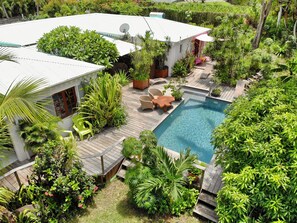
(155, 93)
(158, 80)
(146, 102)
(82, 127)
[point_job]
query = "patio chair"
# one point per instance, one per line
(146, 102)
(155, 93)
(82, 127)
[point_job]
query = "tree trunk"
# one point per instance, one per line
(295, 30)
(266, 6)
(4, 11)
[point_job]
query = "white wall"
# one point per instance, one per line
(175, 54)
(66, 123)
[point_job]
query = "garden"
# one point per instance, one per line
(255, 145)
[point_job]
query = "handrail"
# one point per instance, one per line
(105, 151)
(17, 169)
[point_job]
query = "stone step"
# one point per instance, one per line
(205, 212)
(207, 199)
(121, 174)
(127, 163)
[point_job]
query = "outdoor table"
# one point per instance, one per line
(163, 102)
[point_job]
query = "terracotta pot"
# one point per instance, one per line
(143, 84)
(161, 72)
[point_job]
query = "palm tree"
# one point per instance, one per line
(168, 178)
(19, 101)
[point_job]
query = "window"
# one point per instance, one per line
(180, 48)
(65, 102)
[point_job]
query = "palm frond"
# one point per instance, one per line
(5, 55)
(20, 101)
(5, 196)
(147, 187)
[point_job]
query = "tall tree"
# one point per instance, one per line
(266, 6)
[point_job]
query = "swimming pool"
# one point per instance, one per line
(191, 125)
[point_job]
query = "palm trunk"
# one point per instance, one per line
(295, 30)
(266, 6)
(4, 11)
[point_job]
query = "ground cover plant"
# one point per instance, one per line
(87, 46)
(256, 146)
(157, 184)
(112, 204)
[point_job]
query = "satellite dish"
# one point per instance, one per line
(124, 28)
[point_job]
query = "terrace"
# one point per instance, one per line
(101, 154)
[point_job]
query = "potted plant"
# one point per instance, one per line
(216, 92)
(142, 59)
(161, 51)
(175, 87)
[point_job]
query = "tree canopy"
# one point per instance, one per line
(72, 42)
(256, 146)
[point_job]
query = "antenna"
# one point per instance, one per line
(124, 28)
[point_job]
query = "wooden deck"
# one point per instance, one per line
(90, 151)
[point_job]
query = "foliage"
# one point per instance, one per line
(122, 77)
(179, 69)
(158, 186)
(5, 140)
(20, 101)
(102, 103)
(71, 42)
(35, 135)
(231, 45)
(142, 59)
(175, 86)
(161, 51)
(132, 147)
(256, 146)
(58, 183)
(216, 92)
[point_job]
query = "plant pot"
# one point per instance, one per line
(141, 84)
(161, 72)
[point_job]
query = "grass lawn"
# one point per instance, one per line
(111, 206)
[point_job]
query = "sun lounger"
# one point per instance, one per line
(157, 81)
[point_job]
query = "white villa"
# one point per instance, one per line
(64, 76)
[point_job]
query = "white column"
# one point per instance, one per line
(18, 142)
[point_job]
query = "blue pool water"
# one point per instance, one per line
(191, 125)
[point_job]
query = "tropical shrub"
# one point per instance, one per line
(157, 184)
(179, 69)
(122, 77)
(256, 146)
(102, 104)
(175, 86)
(58, 183)
(5, 140)
(216, 92)
(35, 135)
(87, 46)
(231, 45)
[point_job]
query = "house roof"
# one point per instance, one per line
(55, 70)
(26, 33)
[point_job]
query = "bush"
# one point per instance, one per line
(59, 185)
(87, 46)
(256, 146)
(216, 92)
(158, 185)
(179, 69)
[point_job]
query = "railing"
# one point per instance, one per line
(202, 168)
(15, 172)
(101, 155)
